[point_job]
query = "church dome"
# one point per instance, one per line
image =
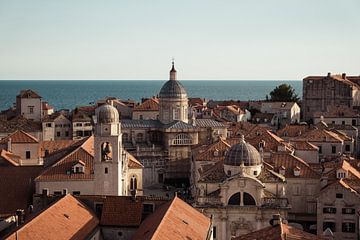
(173, 89)
(242, 152)
(107, 114)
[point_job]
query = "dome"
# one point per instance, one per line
(172, 89)
(245, 152)
(107, 114)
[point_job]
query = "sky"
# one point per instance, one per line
(209, 39)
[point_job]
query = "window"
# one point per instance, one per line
(141, 117)
(248, 200)
(348, 227)
(331, 210)
(133, 183)
(339, 195)
(353, 122)
(31, 109)
(58, 134)
(139, 137)
(177, 114)
(48, 125)
(66, 133)
(347, 148)
(27, 155)
(214, 232)
(78, 124)
(255, 173)
(182, 139)
(76, 192)
(341, 175)
(234, 199)
(87, 124)
(320, 149)
(79, 133)
(333, 122)
(98, 209)
(348, 211)
(330, 225)
(343, 122)
(106, 170)
(333, 149)
(57, 193)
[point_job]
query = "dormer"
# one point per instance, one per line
(78, 167)
(341, 173)
(297, 171)
(216, 153)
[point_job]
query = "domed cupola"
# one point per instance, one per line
(173, 100)
(243, 156)
(107, 114)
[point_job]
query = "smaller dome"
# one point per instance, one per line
(242, 152)
(107, 114)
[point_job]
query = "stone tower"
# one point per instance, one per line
(173, 100)
(110, 166)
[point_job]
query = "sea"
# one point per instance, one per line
(67, 94)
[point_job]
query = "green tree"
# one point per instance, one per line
(284, 93)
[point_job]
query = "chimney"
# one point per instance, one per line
(329, 74)
(343, 76)
(297, 171)
(9, 145)
(282, 170)
(276, 220)
(20, 216)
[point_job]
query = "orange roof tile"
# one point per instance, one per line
(9, 157)
(289, 161)
(213, 152)
(19, 137)
(292, 130)
(54, 146)
(304, 146)
(174, 220)
(321, 135)
(121, 211)
(28, 93)
(279, 232)
(151, 104)
(133, 162)
(67, 218)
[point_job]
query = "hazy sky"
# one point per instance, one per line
(209, 39)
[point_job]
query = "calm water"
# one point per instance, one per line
(68, 94)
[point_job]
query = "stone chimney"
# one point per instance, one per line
(343, 76)
(9, 145)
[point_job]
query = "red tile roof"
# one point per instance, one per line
(121, 211)
(28, 93)
(151, 104)
(213, 152)
(19, 137)
(290, 162)
(67, 218)
(279, 232)
(9, 158)
(174, 220)
(17, 187)
(133, 162)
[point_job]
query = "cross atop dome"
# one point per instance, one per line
(173, 70)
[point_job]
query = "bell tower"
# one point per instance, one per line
(109, 160)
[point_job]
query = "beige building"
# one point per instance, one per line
(147, 110)
(56, 127)
(29, 105)
(283, 112)
(320, 92)
(240, 193)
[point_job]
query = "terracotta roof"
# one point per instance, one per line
(213, 152)
(19, 137)
(9, 158)
(174, 220)
(279, 232)
(67, 218)
(62, 169)
(28, 93)
(292, 130)
(304, 146)
(272, 142)
(321, 135)
(19, 123)
(133, 162)
(353, 173)
(54, 146)
(121, 211)
(333, 77)
(213, 173)
(81, 117)
(240, 128)
(289, 162)
(17, 187)
(46, 106)
(196, 101)
(151, 104)
(351, 184)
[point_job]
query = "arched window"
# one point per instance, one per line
(248, 200)
(182, 139)
(234, 199)
(133, 183)
(125, 137)
(106, 151)
(176, 113)
(139, 137)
